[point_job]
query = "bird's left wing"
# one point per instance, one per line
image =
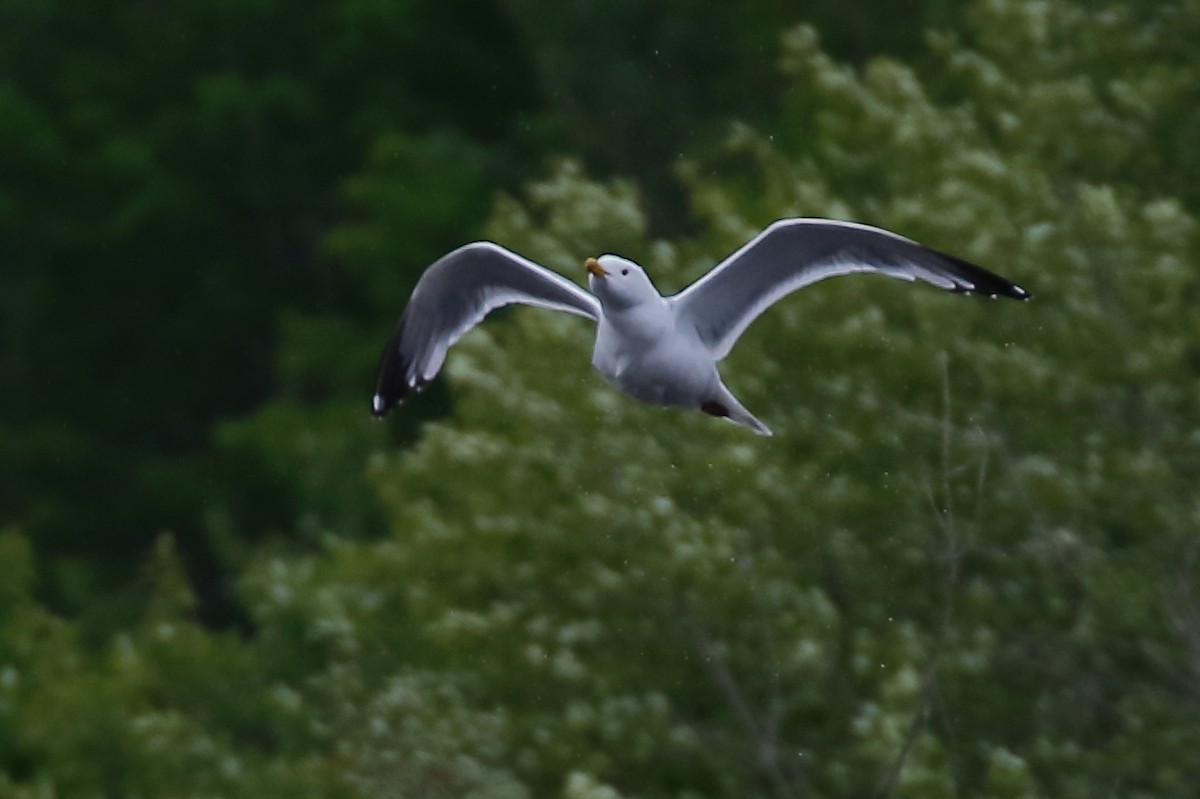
(453, 295)
(793, 253)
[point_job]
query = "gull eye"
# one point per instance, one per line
(624, 271)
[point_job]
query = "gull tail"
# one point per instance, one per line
(726, 406)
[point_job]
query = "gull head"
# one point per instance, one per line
(618, 282)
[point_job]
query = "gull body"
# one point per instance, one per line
(660, 350)
(646, 351)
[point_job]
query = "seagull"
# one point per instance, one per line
(660, 350)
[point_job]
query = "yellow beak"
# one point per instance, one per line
(593, 266)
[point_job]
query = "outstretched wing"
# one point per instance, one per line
(793, 253)
(454, 295)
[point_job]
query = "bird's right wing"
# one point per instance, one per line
(793, 253)
(454, 295)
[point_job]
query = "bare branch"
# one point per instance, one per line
(762, 728)
(949, 547)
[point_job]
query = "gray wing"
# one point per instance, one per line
(452, 296)
(793, 253)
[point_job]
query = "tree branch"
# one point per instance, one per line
(762, 729)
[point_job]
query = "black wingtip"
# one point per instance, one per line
(1014, 292)
(391, 385)
(380, 406)
(984, 282)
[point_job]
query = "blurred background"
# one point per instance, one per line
(968, 564)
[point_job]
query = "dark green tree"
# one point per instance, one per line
(167, 178)
(965, 566)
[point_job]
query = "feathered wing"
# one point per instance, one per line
(454, 295)
(793, 253)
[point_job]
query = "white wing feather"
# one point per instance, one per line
(453, 295)
(793, 253)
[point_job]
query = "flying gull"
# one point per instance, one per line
(661, 350)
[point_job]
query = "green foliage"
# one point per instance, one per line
(966, 565)
(173, 184)
(166, 183)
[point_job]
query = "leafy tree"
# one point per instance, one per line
(965, 566)
(167, 180)
(168, 184)
(958, 568)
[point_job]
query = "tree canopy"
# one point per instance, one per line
(967, 564)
